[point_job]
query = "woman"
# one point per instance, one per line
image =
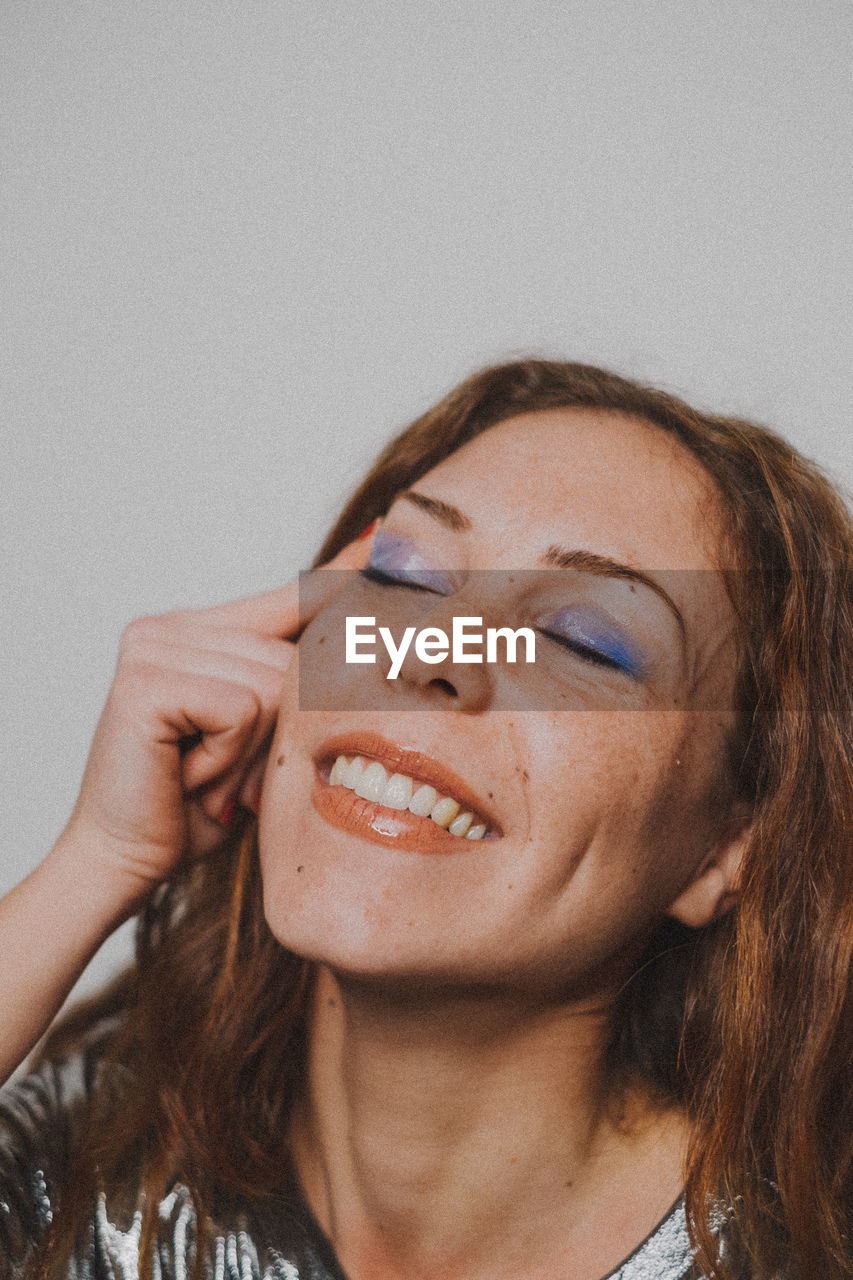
(506, 978)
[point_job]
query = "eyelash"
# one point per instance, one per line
(581, 650)
(386, 580)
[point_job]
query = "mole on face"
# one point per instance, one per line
(279, 762)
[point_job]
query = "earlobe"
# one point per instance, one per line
(714, 889)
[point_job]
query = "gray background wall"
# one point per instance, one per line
(243, 242)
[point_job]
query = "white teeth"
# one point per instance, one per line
(460, 825)
(397, 793)
(338, 769)
(350, 774)
(444, 811)
(370, 780)
(423, 800)
(371, 784)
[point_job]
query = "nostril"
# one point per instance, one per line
(447, 686)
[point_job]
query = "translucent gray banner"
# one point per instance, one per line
(603, 636)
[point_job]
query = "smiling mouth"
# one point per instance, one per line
(397, 798)
(372, 781)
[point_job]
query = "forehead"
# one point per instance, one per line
(613, 484)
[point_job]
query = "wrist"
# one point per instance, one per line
(94, 878)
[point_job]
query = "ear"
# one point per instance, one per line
(714, 889)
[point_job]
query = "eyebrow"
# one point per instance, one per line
(592, 562)
(559, 557)
(450, 517)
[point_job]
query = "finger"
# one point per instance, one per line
(249, 794)
(151, 636)
(230, 718)
(318, 587)
(286, 609)
(205, 832)
(223, 801)
(264, 679)
(219, 801)
(240, 786)
(228, 752)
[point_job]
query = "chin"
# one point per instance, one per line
(366, 904)
(396, 949)
(354, 938)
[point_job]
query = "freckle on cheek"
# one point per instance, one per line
(280, 761)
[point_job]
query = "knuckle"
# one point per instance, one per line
(153, 627)
(139, 683)
(273, 696)
(251, 704)
(138, 631)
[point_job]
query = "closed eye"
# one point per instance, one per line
(588, 654)
(388, 580)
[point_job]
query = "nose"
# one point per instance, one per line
(447, 685)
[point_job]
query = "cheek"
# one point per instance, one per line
(322, 667)
(288, 720)
(327, 680)
(622, 798)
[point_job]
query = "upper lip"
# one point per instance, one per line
(414, 764)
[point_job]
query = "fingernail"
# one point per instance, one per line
(365, 533)
(227, 812)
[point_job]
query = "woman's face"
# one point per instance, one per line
(606, 803)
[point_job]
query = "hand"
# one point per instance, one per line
(186, 728)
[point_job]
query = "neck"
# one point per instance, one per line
(441, 1130)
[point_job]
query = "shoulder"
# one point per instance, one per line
(42, 1115)
(38, 1110)
(42, 1118)
(666, 1253)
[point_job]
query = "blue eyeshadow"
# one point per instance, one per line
(591, 630)
(397, 555)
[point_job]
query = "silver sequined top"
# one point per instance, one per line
(37, 1121)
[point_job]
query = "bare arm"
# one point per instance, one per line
(181, 741)
(50, 927)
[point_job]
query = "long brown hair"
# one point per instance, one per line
(747, 1023)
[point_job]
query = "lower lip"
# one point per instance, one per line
(393, 828)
